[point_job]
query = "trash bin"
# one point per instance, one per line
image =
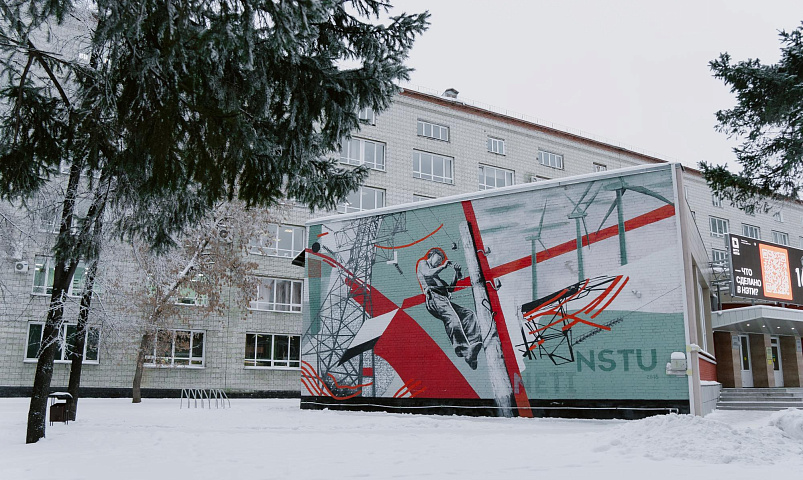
(58, 410)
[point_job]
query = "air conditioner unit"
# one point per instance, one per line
(21, 267)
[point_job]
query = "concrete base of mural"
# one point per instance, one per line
(568, 408)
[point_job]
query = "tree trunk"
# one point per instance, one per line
(146, 341)
(62, 276)
(78, 355)
(37, 413)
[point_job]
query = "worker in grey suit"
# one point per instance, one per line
(460, 322)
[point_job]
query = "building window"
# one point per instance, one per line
(280, 241)
(550, 159)
(265, 350)
(177, 348)
(780, 238)
(751, 231)
(496, 145)
(716, 200)
(778, 216)
(719, 257)
(48, 219)
(433, 130)
(538, 178)
(364, 198)
(189, 297)
(44, 270)
(493, 177)
(436, 168)
(65, 345)
(719, 226)
(358, 151)
(421, 198)
(598, 167)
(277, 295)
(366, 115)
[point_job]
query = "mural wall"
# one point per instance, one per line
(568, 296)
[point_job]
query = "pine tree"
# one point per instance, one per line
(180, 104)
(768, 118)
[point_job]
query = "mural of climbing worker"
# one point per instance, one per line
(460, 322)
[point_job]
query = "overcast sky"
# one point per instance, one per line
(633, 73)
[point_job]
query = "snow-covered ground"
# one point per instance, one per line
(265, 439)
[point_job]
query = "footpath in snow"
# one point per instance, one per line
(267, 439)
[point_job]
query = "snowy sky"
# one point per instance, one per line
(633, 73)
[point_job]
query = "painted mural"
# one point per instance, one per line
(564, 293)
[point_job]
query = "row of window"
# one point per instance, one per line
(494, 144)
(429, 166)
(173, 348)
(273, 294)
(716, 201)
(721, 226)
(438, 169)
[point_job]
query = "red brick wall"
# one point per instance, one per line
(708, 370)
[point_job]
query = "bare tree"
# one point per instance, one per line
(211, 256)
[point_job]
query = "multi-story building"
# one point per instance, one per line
(424, 146)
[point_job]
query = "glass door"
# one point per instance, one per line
(744, 351)
(776, 361)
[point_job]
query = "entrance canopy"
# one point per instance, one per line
(759, 319)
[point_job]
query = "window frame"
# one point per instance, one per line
(746, 227)
(48, 219)
(778, 216)
(259, 305)
(778, 235)
(63, 353)
(484, 175)
(151, 360)
(290, 362)
(197, 300)
(46, 289)
(496, 145)
(366, 115)
(418, 159)
(347, 207)
(363, 143)
(724, 221)
(719, 254)
(546, 158)
(274, 249)
(716, 200)
(599, 167)
(421, 130)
